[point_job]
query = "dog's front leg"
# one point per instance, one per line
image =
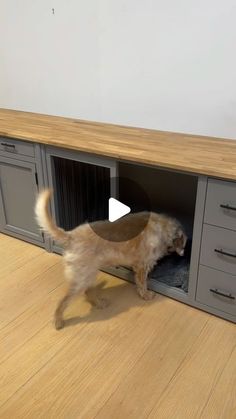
(141, 274)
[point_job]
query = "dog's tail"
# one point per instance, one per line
(45, 220)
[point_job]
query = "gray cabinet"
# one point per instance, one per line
(18, 188)
(82, 184)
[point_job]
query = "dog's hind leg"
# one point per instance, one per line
(141, 282)
(80, 278)
(73, 291)
(94, 299)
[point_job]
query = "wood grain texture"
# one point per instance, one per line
(134, 359)
(189, 153)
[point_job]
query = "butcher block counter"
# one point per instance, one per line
(190, 153)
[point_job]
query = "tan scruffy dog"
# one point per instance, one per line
(86, 252)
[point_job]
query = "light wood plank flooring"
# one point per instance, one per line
(132, 360)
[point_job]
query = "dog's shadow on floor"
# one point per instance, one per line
(121, 298)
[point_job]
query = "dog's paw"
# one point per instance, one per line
(147, 295)
(59, 324)
(102, 303)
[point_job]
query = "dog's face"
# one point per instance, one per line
(178, 242)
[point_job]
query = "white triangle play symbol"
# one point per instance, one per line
(117, 209)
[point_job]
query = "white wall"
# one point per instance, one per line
(161, 64)
(50, 63)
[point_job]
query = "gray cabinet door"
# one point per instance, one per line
(18, 189)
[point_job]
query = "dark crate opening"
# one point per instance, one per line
(173, 194)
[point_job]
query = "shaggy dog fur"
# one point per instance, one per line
(85, 252)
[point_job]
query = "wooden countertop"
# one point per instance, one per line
(189, 153)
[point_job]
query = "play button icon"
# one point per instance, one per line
(117, 210)
(115, 202)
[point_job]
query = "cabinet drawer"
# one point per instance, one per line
(218, 248)
(15, 147)
(212, 284)
(221, 204)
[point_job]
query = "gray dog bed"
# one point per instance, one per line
(173, 269)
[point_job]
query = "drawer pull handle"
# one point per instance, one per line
(222, 252)
(218, 292)
(8, 145)
(227, 206)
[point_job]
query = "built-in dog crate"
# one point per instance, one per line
(83, 183)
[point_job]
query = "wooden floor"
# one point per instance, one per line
(135, 359)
